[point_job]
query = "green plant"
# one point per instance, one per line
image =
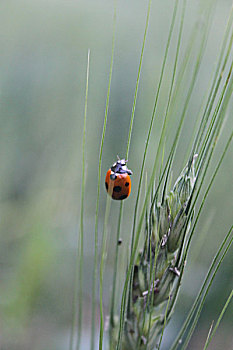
(169, 214)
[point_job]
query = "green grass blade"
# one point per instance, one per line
(200, 307)
(162, 135)
(190, 91)
(102, 261)
(152, 121)
(204, 145)
(115, 271)
(223, 102)
(199, 131)
(138, 79)
(210, 272)
(200, 53)
(134, 249)
(78, 285)
(218, 321)
(214, 129)
(164, 129)
(194, 226)
(216, 81)
(127, 153)
(197, 65)
(188, 319)
(94, 279)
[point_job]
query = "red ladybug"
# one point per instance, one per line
(117, 181)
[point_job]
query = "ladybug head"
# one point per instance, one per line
(120, 167)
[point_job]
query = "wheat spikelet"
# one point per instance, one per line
(156, 271)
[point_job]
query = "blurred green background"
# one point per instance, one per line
(42, 88)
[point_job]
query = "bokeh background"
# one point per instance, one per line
(43, 61)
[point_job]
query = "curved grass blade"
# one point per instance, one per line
(102, 261)
(152, 121)
(224, 100)
(201, 292)
(115, 272)
(212, 92)
(138, 79)
(216, 81)
(78, 284)
(161, 141)
(205, 142)
(191, 313)
(200, 54)
(126, 157)
(181, 267)
(214, 130)
(199, 57)
(94, 279)
(199, 309)
(190, 90)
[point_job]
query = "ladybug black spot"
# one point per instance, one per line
(106, 185)
(117, 189)
(126, 184)
(123, 196)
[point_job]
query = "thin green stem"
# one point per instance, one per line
(152, 122)
(78, 284)
(162, 136)
(202, 147)
(166, 115)
(113, 301)
(212, 92)
(190, 90)
(216, 82)
(214, 129)
(102, 262)
(127, 153)
(138, 79)
(94, 278)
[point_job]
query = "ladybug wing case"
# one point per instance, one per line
(120, 187)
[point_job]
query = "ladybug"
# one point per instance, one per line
(117, 181)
